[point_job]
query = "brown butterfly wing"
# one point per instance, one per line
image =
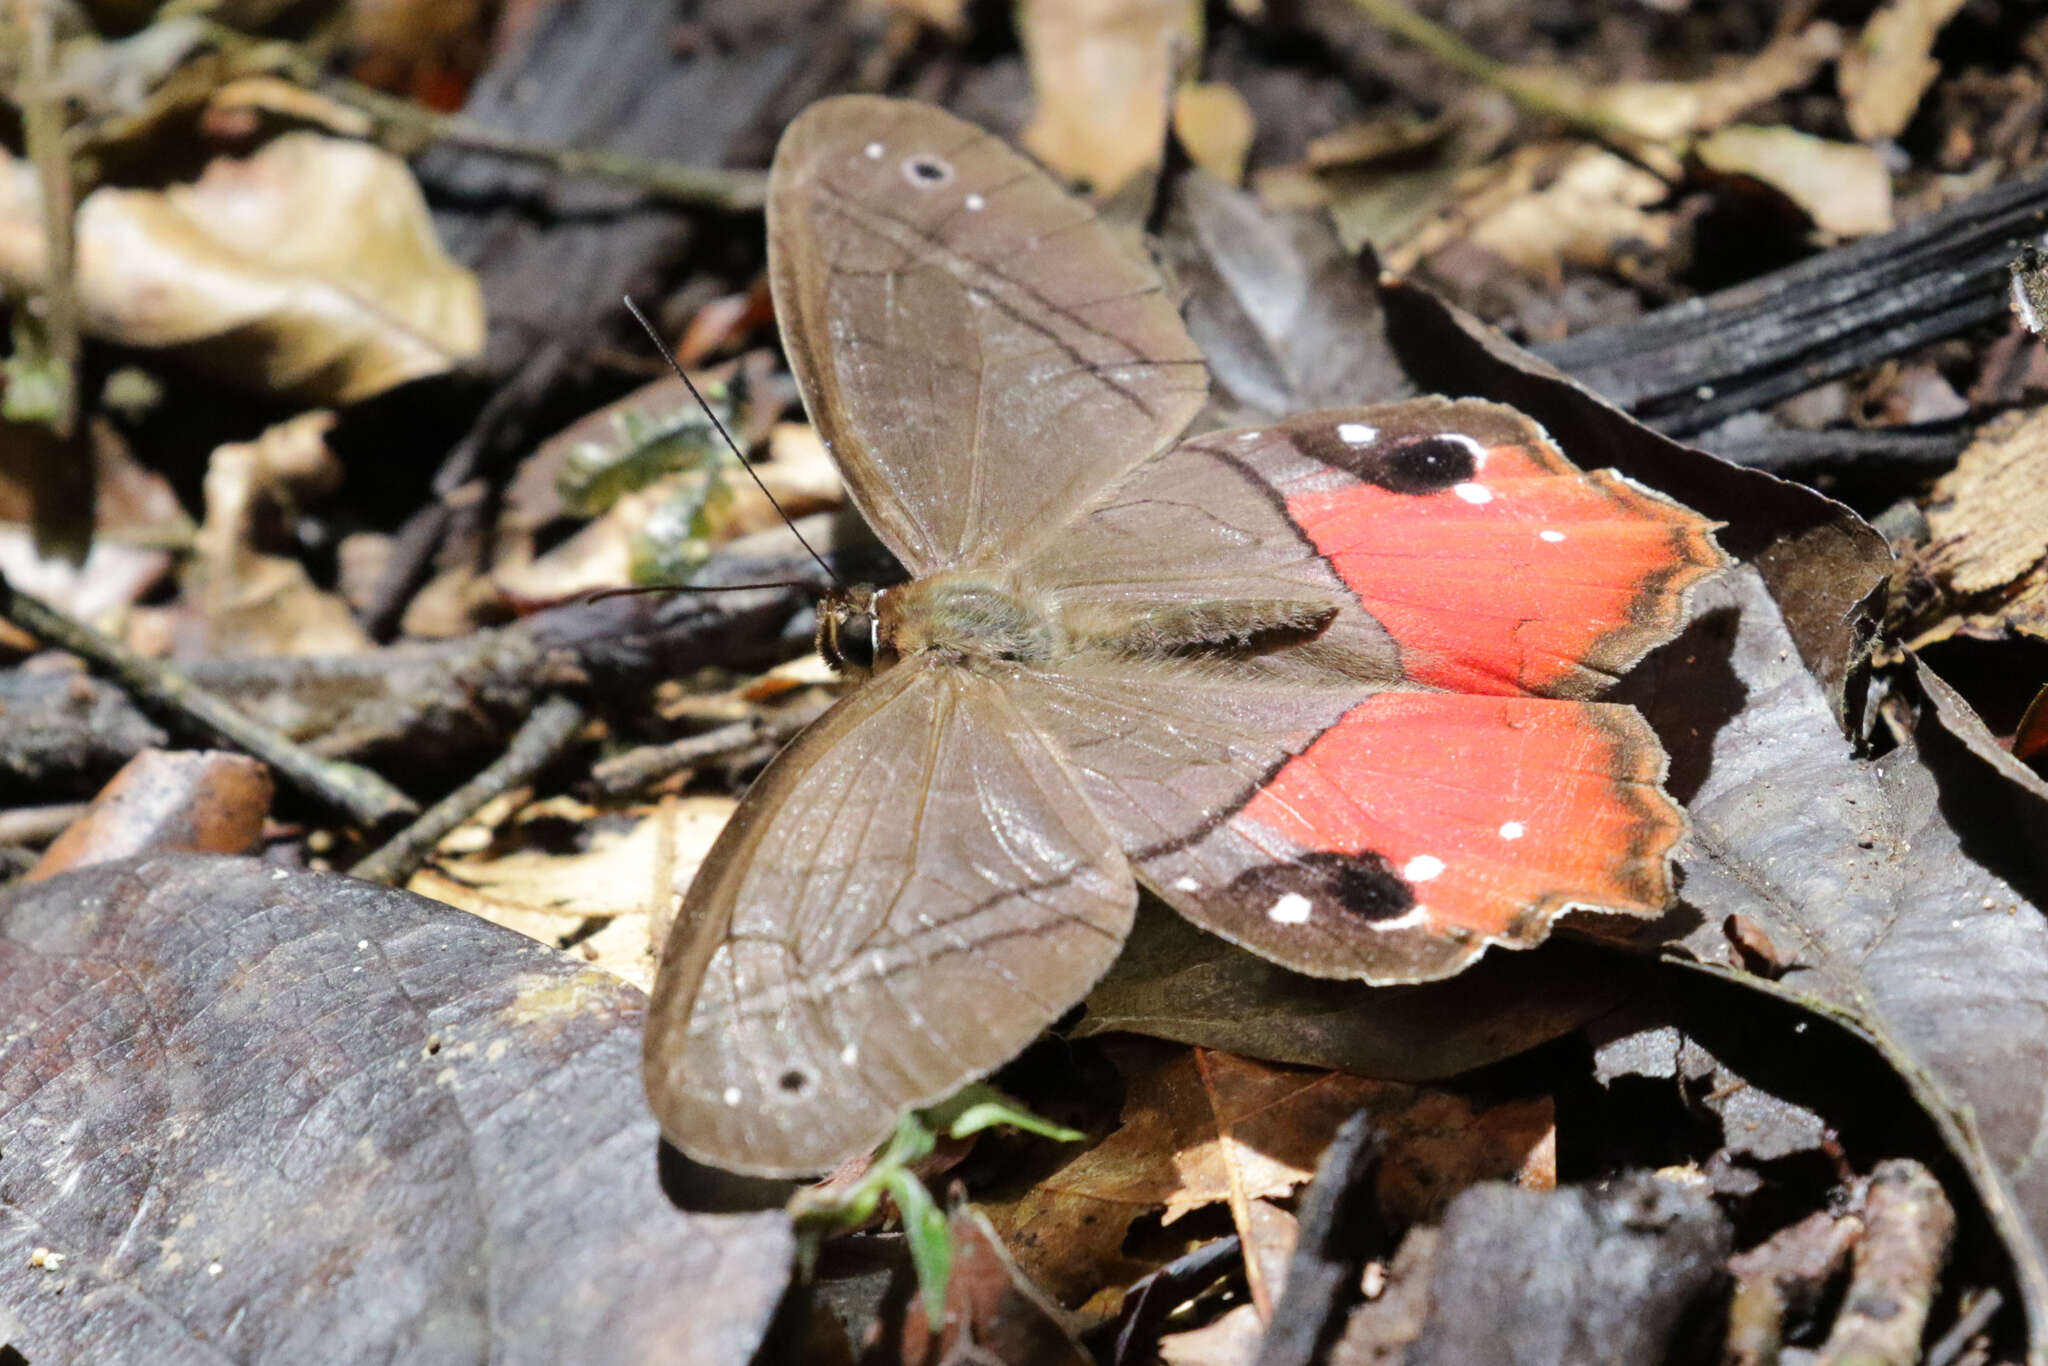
(978, 352)
(912, 890)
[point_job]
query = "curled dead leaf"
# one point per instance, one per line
(310, 269)
(1986, 557)
(1843, 188)
(1103, 72)
(1890, 65)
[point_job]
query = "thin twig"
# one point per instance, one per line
(703, 187)
(42, 118)
(637, 768)
(1532, 94)
(354, 791)
(693, 186)
(1971, 1322)
(38, 825)
(551, 726)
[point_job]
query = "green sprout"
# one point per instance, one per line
(820, 1214)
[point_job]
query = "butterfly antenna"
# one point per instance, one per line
(732, 445)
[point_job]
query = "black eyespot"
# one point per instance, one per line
(1428, 465)
(793, 1081)
(927, 172)
(1413, 464)
(1360, 884)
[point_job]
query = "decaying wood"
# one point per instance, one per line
(1685, 368)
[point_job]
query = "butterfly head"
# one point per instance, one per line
(849, 630)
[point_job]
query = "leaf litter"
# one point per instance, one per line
(200, 1046)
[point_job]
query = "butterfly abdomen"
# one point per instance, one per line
(1214, 626)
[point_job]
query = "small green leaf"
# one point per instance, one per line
(979, 1106)
(930, 1240)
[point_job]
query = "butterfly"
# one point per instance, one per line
(1323, 686)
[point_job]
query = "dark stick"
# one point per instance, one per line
(352, 790)
(636, 768)
(1152, 1298)
(551, 726)
(1686, 368)
(1339, 1227)
(1973, 1321)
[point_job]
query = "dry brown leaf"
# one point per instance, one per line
(1456, 172)
(1845, 189)
(1664, 111)
(1228, 1129)
(947, 16)
(251, 602)
(1216, 126)
(1231, 1340)
(1593, 206)
(1987, 549)
(311, 269)
(627, 878)
(1890, 65)
(1103, 73)
(1266, 1126)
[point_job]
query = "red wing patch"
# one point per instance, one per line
(1433, 824)
(1496, 564)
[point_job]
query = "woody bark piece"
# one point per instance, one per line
(1685, 368)
(165, 802)
(1897, 1269)
(1524, 1278)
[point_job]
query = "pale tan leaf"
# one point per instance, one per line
(1215, 125)
(310, 269)
(1843, 187)
(1987, 549)
(1594, 205)
(1890, 65)
(1103, 72)
(947, 16)
(1664, 111)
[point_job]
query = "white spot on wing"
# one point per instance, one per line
(1185, 884)
(1422, 868)
(1419, 916)
(874, 151)
(1249, 436)
(1356, 433)
(732, 1095)
(850, 1054)
(1551, 536)
(975, 203)
(1512, 831)
(1474, 494)
(1292, 909)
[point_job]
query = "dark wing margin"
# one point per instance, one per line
(912, 891)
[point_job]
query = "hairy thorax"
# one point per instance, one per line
(978, 619)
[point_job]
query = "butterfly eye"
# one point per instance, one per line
(849, 633)
(927, 172)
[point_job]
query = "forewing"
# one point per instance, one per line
(978, 352)
(910, 893)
